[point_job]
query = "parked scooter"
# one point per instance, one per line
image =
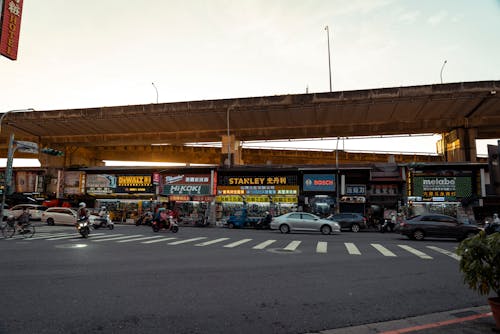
(83, 226)
(171, 226)
(145, 219)
(492, 227)
(388, 225)
(103, 221)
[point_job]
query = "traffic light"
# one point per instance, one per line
(51, 151)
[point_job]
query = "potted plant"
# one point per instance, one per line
(480, 264)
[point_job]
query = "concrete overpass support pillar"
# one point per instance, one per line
(460, 145)
(231, 147)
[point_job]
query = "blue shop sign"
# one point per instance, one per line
(319, 182)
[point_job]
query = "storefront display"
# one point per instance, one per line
(320, 193)
(271, 192)
(441, 189)
(189, 195)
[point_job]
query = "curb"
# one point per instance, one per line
(418, 323)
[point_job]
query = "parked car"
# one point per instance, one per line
(34, 210)
(349, 220)
(436, 226)
(302, 221)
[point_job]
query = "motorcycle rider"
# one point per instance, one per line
(162, 219)
(82, 212)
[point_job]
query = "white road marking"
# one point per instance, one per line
(321, 247)
(118, 238)
(237, 243)
(352, 249)
(105, 236)
(186, 241)
(416, 252)
(211, 242)
(383, 250)
(51, 236)
(157, 240)
(445, 252)
(264, 244)
(293, 245)
(75, 235)
(138, 239)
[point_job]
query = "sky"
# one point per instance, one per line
(94, 53)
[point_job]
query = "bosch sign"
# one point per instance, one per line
(319, 182)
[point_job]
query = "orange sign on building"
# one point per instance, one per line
(10, 27)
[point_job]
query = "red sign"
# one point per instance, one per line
(11, 26)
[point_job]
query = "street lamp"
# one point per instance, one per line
(442, 68)
(10, 155)
(156, 92)
(228, 138)
(329, 62)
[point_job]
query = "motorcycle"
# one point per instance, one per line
(387, 226)
(83, 226)
(491, 228)
(103, 221)
(171, 226)
(145, 219)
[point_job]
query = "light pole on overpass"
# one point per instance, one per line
(329, 62)
(156, 89)
(441, 73)
(10, 156)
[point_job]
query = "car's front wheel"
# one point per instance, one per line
(418, 235)
(285, 228)
(325, 229)
(50, 221)
(355, 228)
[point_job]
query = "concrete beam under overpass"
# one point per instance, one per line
(91, 157)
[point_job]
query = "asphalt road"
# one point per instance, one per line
(219, 283)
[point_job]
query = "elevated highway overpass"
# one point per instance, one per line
(462, 112)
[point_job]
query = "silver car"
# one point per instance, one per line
(302, 221)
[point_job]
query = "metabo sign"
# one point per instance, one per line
(437, 186)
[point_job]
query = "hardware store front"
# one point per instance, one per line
(259, 191)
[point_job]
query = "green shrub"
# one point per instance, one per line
(480, 262)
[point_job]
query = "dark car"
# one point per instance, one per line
(349, 220)
(436, 226)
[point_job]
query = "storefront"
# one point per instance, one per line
(124, 195)
(446, 189)
(385, 193)
(275, 191)
(319, 190)
(190, 194)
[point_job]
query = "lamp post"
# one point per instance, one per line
(228, 138)
(156, 92)
(441, 73)
(329, 62)
(10, 155)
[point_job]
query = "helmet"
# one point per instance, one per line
(103, 207)
(161, 209)
(82, 205)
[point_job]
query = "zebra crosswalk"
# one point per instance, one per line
(425, 252)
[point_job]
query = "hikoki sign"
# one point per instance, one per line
(10, 27)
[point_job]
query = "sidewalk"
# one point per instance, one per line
(474, 320)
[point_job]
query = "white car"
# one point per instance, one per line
(60, 216)
(303, 221)
(34, 210)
